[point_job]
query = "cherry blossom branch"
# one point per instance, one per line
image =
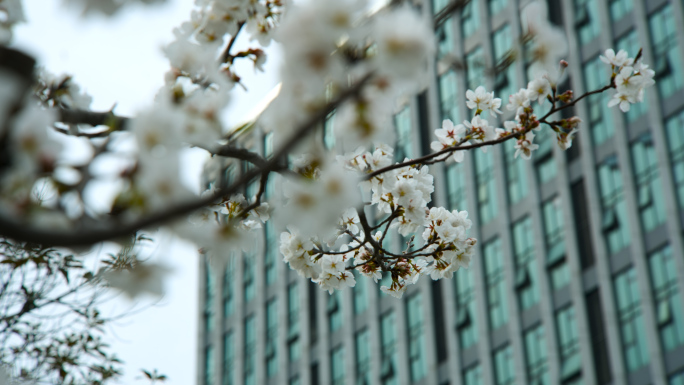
(88, 235)
(226, 57)
(108, 118)
(427, 159)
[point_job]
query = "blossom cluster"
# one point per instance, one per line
(630, 77)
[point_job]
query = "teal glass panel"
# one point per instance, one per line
(496, 284)
(229, 287)
(271, 338)
(293, 322)
(505, 79)
(614, 210)
(228, 359)
(445, 38)
(546, 169)
(402, 124)
(473, 375)
(596, 76)
(388, 341)
(526, 277)
(438, 5)
(416, 341)
(448, 97)
(470, 18)
(587, 20)
(666, 52)
(516, 176)
(466, 308)
(360, 294)
(560, 275)
(536, 356)
(209, 373)
(456, 186)
(475, 67)
(209, 297)
(363, 357)
(248, 276)
(667, 300)
(249, 356)
(630, 43)
(271, 253)
(648, 183)
(554, 226)
(675, 143)
(619, 8)
(486, 186)
(496, 5)
(504, 367)
(337, 366)
(677, 379)
(568, 342)
(334, 308)
(628, 301)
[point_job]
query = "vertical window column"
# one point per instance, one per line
(614, 209)
(496, 284)
(228, 358)
(363, 357)
(648, 185)
(486, 186)
(271, 337)
(668, 303)
(466, 321)
(667, 66)
(249, 359)
(360, 292)
(504, 83)
(337, 366)
(568, 342)
(456, 187)
(596, 75)
(628, 301)
(209, 375)
(516, 176)
(526, 281)
(587, 21)
(388, 341)
(555, 242)
(209, 296)
(448, 97)
(229, 288)
(416, 339)
(470, 18)
(472, 375)
(334, 308)
(293, 322)
(248, 272)
(675, 143)
(537, 357)
(504, 367)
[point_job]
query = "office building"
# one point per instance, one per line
(579, 275)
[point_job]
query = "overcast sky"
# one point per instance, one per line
(118, 61)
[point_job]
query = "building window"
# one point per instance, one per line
(648, 185)
(388, 340)
(402, 123)
(466, 321)
(249, 359)
(580, 210)
(456, 186)
(515, 174)
(587, 22)
(614, 210)
(329, 131)
(553, 229)
(470, 18)
(599, 341)
(293, 322)
(619, 8)
(209, 296)
(504, 367)
(496, 5)
(271, 337)
(363, 357)
(475, 65)
(209, 365)
(504, 80)
(228, 288)
(472, 375)
(271, 253)
(416, 343)
(537, 359)
(228, 359)
(675, 142)
(568, 343)
(666, 65)
(596, 76)
(677, 379)
(526, 282)
(337, 366)
(630, 43)
(248, 270)
(445, 38)
(438, 5)
(448, 97)
(360, 293)
(668, 303)
(486, 186)
(334, 308)
(546, 169)
(295, 381)
(496, 284)
(628, 300)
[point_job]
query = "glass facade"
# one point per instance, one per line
(293, 322)
(470, 18)
(402, 124)
(526, 281)
(229, 288)
(456, 186)
(466, 309)
(360, 293)
(363, 357)
(388, 342)
(228, 359)
(675, 143)
(667, 299)
(647, 181)
(249, 351)
(666, 51)
(516, 176)
(568, 343)
(449, 97)
(628, 301)
(486, 186)
(473, 375)
(614, 209)
(504, 368)
(416, 343)
(536, 356)
(475, 68)
(248, 272)
(334, 308)
(337, 366)
(271, 338)
(587, 20)
(596, 75)
(618, 10)
(496, 284)
(504, 80)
